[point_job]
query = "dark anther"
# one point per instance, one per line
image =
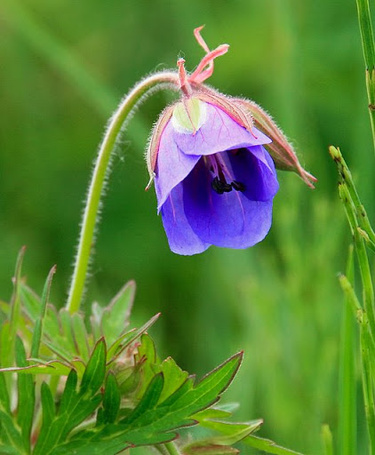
(238, 186)
(220, 187)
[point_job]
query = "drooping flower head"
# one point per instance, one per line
(214, 179)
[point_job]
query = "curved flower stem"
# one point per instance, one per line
(155, 81)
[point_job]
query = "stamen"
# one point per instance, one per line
(220, 187)
(238, 186)
(221, 174)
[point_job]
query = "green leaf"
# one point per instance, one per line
(152, 421)
(68, 396)
(48, 404)
(146, 357)
(213, 414)
(95, 320)
(9, 433)
(67, 330)
(174, 377)
(51, 323)
(74, 408)
(8, 450)
(38, 329)
(268, 446)
(30, 301)
(148, 401)
(231, 433)
(15, 300)
(327, 440)
(26, 396)
(95, 371)
(115, 317)
(127, 339)
(80, 336)
(111, 400)
(9, 327)
(4, 395)
(6, 344)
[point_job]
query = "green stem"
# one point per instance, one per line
(367, 382)
(368, 45)
(158, 80)
(347, 428)
(364, 266)
(172, 448)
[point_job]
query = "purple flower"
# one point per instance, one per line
(214, 181)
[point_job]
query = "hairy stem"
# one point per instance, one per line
(86, 238)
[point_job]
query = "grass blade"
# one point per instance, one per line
(347, 380)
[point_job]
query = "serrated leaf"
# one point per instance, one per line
(174, 377)
(93, 376)
(26, 396)
(152, 422)
(115, 317)
(111, 400)
(74, 408)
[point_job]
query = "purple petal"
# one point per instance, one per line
(172, 165)
(181, 238)
(258, 175)
(218, 133)
(231, 219)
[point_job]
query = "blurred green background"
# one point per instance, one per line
(64, 66)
